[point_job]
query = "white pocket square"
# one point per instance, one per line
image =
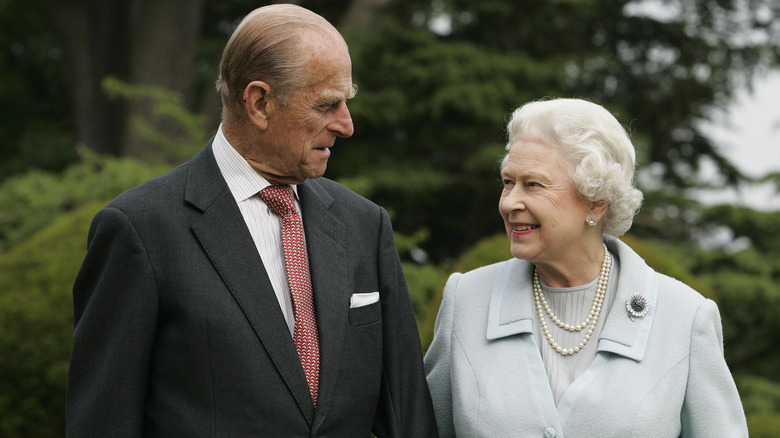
(364, 299)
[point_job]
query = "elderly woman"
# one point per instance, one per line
(576, 336)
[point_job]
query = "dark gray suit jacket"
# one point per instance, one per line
(178, 332)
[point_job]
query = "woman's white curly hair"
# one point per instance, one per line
(597, 148)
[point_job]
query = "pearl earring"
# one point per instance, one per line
(591, 221)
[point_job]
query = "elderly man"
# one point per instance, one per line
(241, 294)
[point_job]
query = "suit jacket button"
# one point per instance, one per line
(549, 432)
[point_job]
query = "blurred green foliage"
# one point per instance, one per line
(36, 323)
(43, 229)
(32, 200)
(760, 396)
(166, 107)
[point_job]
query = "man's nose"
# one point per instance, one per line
(342, 125)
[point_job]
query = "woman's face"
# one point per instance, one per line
(543, 213)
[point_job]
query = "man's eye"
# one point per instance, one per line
(326, 107)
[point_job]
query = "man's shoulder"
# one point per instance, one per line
(199, 172)
(338, 192)
(153, 190)
(332, 186)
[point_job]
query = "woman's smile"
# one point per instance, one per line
(520, 229)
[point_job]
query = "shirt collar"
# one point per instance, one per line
(243, 180)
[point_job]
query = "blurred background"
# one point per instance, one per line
(97, 96)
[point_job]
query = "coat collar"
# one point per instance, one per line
(511, 309)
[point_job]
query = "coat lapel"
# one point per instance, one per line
(510, 312)
(325, 235)
(225, 238)
(622, 335)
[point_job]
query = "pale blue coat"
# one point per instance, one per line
(661, 375)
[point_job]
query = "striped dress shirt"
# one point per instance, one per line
(264, 226)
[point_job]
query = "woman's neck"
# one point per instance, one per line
(579, 268)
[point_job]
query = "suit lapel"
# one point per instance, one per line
(325, 236)
(225, 238)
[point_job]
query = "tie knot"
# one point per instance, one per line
(279, 199)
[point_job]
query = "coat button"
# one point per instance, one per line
(549, 432)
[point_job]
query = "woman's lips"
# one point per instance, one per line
(523, 229)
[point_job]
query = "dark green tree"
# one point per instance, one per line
(438, 79)
(34, 127)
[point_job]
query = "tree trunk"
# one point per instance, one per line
(165, 38)
(361, 15)
(94, 41)
(147, 42)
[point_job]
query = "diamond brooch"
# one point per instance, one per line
(637, 305)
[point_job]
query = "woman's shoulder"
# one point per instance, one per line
(479, 283)
(669, 288)
(488, 273)
(678, 295)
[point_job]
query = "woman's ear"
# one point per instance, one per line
(598, 209)
(257, 103)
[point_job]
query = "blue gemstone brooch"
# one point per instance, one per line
(637, 305)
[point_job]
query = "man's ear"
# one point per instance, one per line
(257, 103)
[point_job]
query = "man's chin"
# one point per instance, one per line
(314, 172)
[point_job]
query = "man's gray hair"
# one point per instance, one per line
(268, 45)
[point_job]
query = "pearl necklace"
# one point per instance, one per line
(590, 321)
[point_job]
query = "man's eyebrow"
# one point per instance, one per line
(334, 96)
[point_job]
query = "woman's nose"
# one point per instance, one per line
(514, 200)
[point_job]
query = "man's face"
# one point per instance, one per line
(301, 132)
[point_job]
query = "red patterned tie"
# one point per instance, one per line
(280, 199)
